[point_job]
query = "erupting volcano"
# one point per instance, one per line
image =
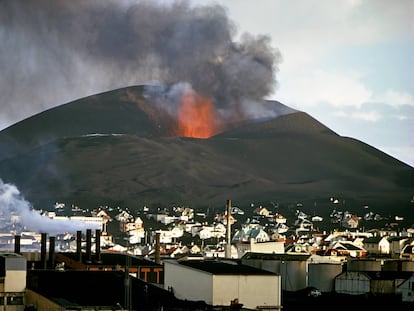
(197, 117)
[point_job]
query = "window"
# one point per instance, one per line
(15, 300)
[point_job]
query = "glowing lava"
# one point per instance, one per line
(197, 117)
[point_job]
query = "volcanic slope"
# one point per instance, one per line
(114, 149)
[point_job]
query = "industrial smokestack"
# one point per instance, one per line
(228, 230)
(79, 245)
(43, 250)
(88, 245)
(17, 244)
(98, 245)
(51, 252)
(157, 248)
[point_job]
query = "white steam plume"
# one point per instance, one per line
(13, 204)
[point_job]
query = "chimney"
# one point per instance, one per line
(88, 245)
(98, 245)
(79, 245)
(157, 248)
(52, 252)
(17, 244)
(43, 237)
(228, 231)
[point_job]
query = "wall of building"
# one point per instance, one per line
(250, 290)
(188, 283)
(352, 283)
(40, 302)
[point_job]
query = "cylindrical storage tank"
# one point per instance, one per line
(363, 265)
(398, 265)
(293, 273)
(322, 275)
(407, 265)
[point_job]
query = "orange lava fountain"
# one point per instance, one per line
(197, 117)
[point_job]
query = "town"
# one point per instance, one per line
(229, 258)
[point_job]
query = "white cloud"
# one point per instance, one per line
(394, 98)
(371, 116)
(322, 87)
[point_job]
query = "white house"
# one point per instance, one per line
(219, 283)
(269, 247)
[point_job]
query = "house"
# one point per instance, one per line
(262, 211)
(377, 245)
(397, 243)
(350, 221)
(249, 232)
(407, 252)
(13, 269)
(348, 248)
(268, 247)
(223, 282)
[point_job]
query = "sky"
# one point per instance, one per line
(347, 63)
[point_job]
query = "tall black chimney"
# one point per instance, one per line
(43, 237)
(17, 244)
(157, 248)
(98, 245)
(88, 245)
(228, 230)
(52, 252)
(79, 245)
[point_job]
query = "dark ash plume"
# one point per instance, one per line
(56, 51)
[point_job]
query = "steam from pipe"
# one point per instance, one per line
(14, 206)
(56, 51)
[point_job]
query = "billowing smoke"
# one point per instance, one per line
(52, 52)
(16, 211)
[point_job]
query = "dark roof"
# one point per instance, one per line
(373, 239)
(350, 246)
(101, 288)
(397, 238)
(389, 275)
(285, 257)
(224, 267)
(408, 249)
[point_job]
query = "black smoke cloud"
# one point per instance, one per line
(53, 51)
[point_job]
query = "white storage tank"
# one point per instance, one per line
(322, 275)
